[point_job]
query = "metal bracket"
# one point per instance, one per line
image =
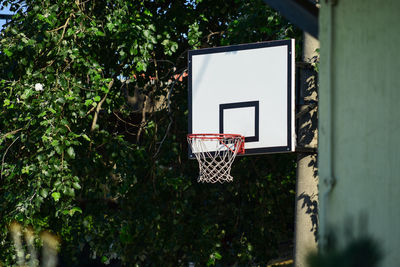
(306, 150)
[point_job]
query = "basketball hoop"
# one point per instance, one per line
(215, 154)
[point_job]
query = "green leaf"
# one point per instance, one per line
(57, 184)
(71, 152)
(146, 33)
(72, 211)
(88, 102)
(110, 26)
(86, 137)
(174, 47)
(104, 259)
(56, 196)
(141, 66)
(148, 13)
(133, 51)
(43, 192)
(76, 185)
(7, 52)
(69, 191)
(55, 143)
(100, 33)
(58, 149)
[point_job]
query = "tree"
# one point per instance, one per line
(93, 126)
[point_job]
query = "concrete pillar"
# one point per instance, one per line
(306, 207)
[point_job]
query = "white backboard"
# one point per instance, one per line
(245, 89)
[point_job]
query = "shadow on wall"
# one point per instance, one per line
(307, 135)
(310, 204)
(307, 103)
(348, 248)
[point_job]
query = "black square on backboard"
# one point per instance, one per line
(248, 104)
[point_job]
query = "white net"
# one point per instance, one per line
(215, 154)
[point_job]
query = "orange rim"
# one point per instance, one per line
(219, 137)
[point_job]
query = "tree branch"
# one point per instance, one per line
(4, 156)
(90, 110)
(11, 133)
(98, 107)
(143, 121)
(124, 121)
(65, 27)
(212, 34)
(169, 112)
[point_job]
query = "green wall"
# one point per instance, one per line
(359, 142)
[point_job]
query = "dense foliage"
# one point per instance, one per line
(93, 124)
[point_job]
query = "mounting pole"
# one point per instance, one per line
(306, 203)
